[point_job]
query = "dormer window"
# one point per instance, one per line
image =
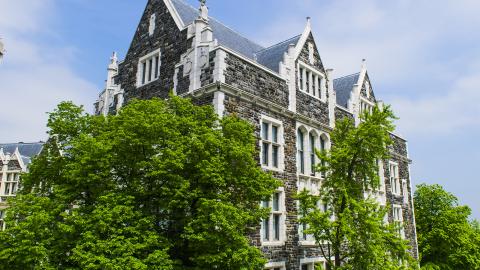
(148, 68)
(311, 81)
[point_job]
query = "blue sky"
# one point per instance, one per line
(423, 58)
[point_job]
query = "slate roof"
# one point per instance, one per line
(27, 150)
(225, 36)
(343, 87)
(272, 56)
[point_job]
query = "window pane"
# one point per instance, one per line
(305, 267)
(304, 227)
(266, 229)
(150, 69)
(276, 226)
(265, 204)
(275, 134)
(144, 72)
(265, 131)
(276, 201)
(157, 65)
(308, 82)
(314, 85)
(7, 188)
(301, 78)
(265, 150)
(275, 156)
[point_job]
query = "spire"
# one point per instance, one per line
(203, 10)
(364, 64)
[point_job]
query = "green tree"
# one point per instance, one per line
(161, 185)
(352, 230)
(446, 238)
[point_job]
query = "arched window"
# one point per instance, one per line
(300, 151)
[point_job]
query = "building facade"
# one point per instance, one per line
(14, 158)
(284, 90)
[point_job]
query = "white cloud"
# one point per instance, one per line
(456, 111)
(34, 76)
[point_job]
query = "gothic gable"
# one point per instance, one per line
(157, 30)
(310, 55)
(367, 90)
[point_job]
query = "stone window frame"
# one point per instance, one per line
(281, 212)
(306, 131)
(394, 178)
(397, 217)
(405, 191)
(365, 104)
(312, 185)
(11, 180)
(280, 143)
(275, 266)
(320, 86)
(311, 262)
(145, 74)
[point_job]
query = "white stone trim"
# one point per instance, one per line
(282, 225)
(219, 103)
(281, 143)
(272, 265)
(303, 39)
(220, 66)
(313, 71)
(313, 260)
(139, 82)
(176, 17)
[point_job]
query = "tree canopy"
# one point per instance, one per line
(446, 238)
(351, 231)
(161, 185)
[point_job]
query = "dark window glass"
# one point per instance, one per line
(275, 156)
(144, 72)
(264, 131)
(276, 202)
(150, 69)
(266, 229)
(307, 80)
(157, 65)
(276, 227)
(300, 148)
(312, 153)
(275, 134)
(265, 149)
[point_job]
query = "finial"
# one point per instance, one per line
(203, 2)
(364, 63)
(114, 58)
(2, 50)
(203, 10)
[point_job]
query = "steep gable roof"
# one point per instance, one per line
(343, 87)
(26, 150)
(272, 56)
(225, 36)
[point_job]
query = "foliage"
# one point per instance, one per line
(161, 185)
(352, 230)
(446, 239)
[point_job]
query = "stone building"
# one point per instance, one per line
(14, 158)
(284, 90)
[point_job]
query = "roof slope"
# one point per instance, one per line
(272, 56)
(343, 87)
(225, 36)
(27, 150)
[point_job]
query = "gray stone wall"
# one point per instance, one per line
(172, 43)
(399, 155)
(291, 252)
(342, 113)
(242, 74)
(317, 63)
(312, 108)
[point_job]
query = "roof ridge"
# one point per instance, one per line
(279, 43)
(350, 75)
(219, 22)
